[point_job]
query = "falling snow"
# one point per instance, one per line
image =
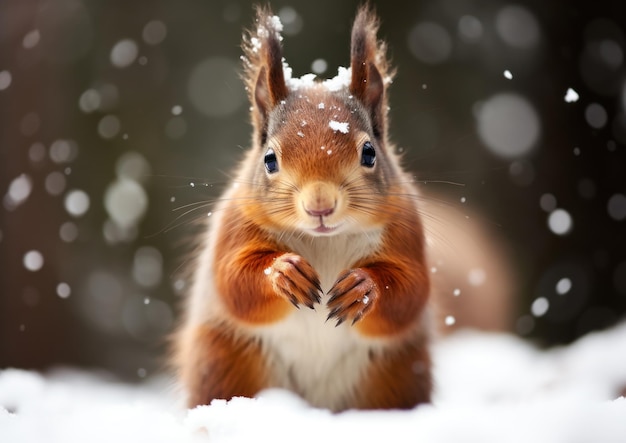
(571, 96)
(34, 407)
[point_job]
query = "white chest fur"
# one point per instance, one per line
(309, 355)
(329, 256)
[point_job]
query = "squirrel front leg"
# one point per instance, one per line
(378, 298)
(259, 282)
(384, 294)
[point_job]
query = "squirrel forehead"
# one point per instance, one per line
(320, 119)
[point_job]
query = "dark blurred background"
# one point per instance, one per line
(116, 114)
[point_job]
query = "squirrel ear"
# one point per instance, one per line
(369, 66)
(263, 68)
(270, 87)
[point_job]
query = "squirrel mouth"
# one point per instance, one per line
(323, 229)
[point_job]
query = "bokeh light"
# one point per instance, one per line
(518, 27)
(214, 87)
(154, 32)
(109, 126)
(124, 53)
(508, 125)
(470, 28)
(19, 190)
(596, 115)
(430, 42)
(126, 202)
(617, 207)
(5, 79)
(33, 260)
(514, 119)
(76, 202)
(560, 222)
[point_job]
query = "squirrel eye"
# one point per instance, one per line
(271, 162)
(368, 155)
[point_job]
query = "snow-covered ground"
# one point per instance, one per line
(490, 388)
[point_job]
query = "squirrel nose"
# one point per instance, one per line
(319, 212)
(319, 199)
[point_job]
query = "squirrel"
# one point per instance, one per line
(312, 273)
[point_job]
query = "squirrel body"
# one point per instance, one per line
(312, 274)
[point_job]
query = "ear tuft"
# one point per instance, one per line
(369, 66)
(263, 67)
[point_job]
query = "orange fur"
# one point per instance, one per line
(240, 275)
(399, 274)
(221, 365)
(396, 379)
(321, 238)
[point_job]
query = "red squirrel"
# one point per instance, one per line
(312, 273)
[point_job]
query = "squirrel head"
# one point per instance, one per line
(322, 161)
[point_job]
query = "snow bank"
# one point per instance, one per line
(490, 388)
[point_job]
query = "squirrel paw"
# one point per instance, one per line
(352, 296)
(295, 279)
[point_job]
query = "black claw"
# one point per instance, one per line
(343, 277)
(340, 321)
(294, 300)
(333, 296)
(355, 302)
(314, 295)
(317, 285)
(314, 281)
(332, 314)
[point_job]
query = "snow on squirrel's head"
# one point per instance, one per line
(271, 86)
